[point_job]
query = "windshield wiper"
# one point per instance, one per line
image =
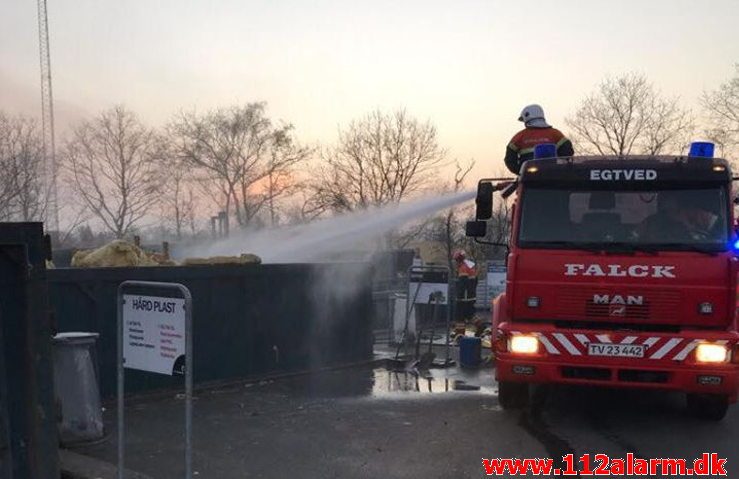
(622, 247)
(601, 247)
(686, 247)
(560, 245)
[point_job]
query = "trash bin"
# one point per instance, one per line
(470, 351)
(76, 386)
(400, 316)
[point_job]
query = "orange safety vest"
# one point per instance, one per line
(521, 146)
(525, 140)
(466, 268)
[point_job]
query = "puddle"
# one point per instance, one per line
(381, 382)
(389, 382)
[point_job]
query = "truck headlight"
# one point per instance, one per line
(711, 353)
(523, 344)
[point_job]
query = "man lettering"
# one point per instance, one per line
(635, 300)
(600, 299)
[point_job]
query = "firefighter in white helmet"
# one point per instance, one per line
(537, 131)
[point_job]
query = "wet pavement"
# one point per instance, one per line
(367, 422)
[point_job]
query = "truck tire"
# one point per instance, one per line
(513, 395)
(711, 407)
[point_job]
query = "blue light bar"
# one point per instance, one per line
(736, 245)
(701, 149)
(545, 150)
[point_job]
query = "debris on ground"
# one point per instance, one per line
(460, 385)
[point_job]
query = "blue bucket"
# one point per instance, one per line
(470, 351)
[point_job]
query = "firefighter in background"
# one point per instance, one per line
(466, 286)
(537, 132)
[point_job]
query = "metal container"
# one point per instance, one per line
(250, 320)
(76, 386)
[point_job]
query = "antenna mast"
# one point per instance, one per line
(47, 119)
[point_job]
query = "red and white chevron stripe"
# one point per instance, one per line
(657, 347)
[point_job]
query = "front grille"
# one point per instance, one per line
(635, 311)
(581, 372)
(579, 302)
(622, 375)
(642, 376)
(611, 326)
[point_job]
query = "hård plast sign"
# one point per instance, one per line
(154, 334)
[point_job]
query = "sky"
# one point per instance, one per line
(468, 66)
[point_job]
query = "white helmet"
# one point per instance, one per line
(533, 115)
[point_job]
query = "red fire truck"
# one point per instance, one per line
(622, 272)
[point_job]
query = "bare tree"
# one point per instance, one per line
(178, 202)
(268, 178)
(243, 160)
(23, 194)
(626, 115)
(111, 163)
(448, 227)
(284, 154)
(8, 183)
(452, 233)
(722, 106)
(379, 159)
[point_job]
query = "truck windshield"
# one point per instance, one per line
(669, 219)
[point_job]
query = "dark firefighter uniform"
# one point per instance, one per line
(466, 288)
(521, 146)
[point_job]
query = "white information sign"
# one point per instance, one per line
(424, 284)
(423, 292)
(154, 334)
(496, 279)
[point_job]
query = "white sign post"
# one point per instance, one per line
(155, 335)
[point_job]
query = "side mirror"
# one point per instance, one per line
(476, 229)
(484, 201)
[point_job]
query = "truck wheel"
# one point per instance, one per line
(513, 395)
(711, 407)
